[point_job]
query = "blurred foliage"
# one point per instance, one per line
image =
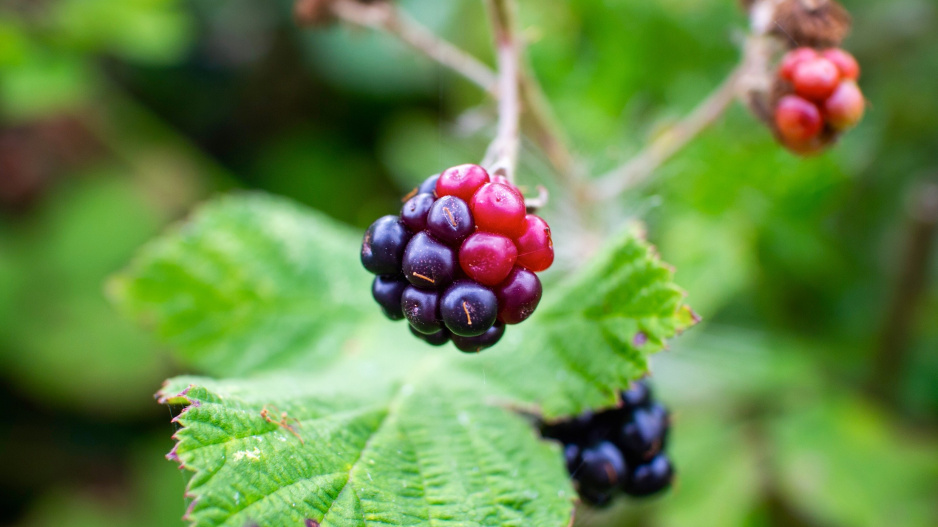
(149, 494)
(117, 115)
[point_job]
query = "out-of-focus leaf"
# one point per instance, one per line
(150, 499)
(61, 341)
(846, 463)
(151, 31)
(43, 82)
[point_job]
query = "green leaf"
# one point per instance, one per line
(338, 416)
(252, 284)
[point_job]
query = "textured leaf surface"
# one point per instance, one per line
(334, 416)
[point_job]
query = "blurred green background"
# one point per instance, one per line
(808, 397)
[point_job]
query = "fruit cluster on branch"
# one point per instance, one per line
(615, 450)
(459, 262)
(817, 98)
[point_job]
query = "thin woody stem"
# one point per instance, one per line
(743, 80)
(385, 17)
(671, 141)
(502, 155)
(897, 332)
(388, 19)
(545, 129)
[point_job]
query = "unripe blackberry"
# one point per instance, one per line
(447, 264)
(824, 102)
(792, 59)
(847, 65)
(535, 246)
(461, 181)
(797, 119)
(845, 107)
(518, 296)
(499, 208)
(487, 258)
(815, 79)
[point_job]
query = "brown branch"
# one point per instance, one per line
(385, 17)
(745, 79)
(546, 132)
(912, 283)
(671, 141)
(543, 197)
(388, 19)
(502, 154)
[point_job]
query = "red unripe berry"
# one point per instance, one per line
(797, 119)
(501, 180)
(499, 208)
(792, 59)
(846, 64)
(816, 79)
(487, 258)
(845, 107)
(461, 181)
(535, 246)
(518, 296)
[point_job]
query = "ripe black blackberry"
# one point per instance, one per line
(617, 450)
(459, 261)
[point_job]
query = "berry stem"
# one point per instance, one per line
(545, 128)
(387, 18)
(502, 155)
(543, 197)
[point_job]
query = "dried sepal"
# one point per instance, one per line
(813, 23)
(314, 12)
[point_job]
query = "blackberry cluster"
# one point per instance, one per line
(459, 261)
(617, 450)
(817, 98)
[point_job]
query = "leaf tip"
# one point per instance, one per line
(688, 318)
(165, 396)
